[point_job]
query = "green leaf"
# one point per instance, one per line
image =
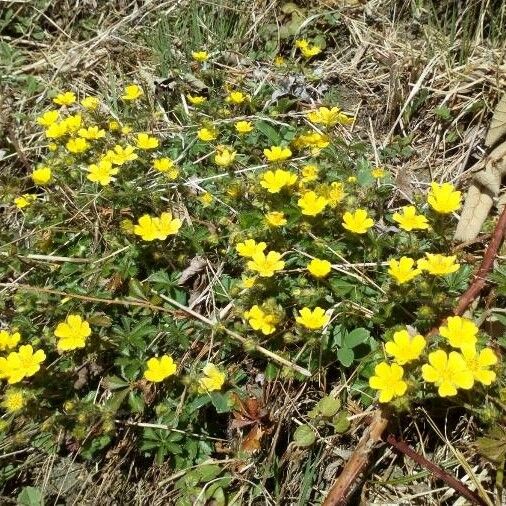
(304, 436)
(345, 356)
(136, 402)
(356, 337)
(115, 383)
(220, 402)
(341, 423)
(269, 131)
(271, 372)
(328, 406)
(30, 496)
(341, 287)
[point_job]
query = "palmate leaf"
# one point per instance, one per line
(493, 446)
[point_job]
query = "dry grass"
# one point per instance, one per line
(394, 69)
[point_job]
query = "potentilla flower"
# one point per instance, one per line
(319, 268)
(388, 379)
(200, 56)
(145, 141)
(224, 157)
(67, 98)
(352, 179)
(403, 270)
(167, 225)
(307, 50)
(447, 372)
(277, 153)
(14, 400)
(102, 172)
(309, 173)
(479, 363)
(275, 181)
(207, 134)
(132, 92)
(260, 320)
(212, 380)
(357, 222)
(126, 129)
(409, 220)
(248, 282)
(20, 364)
(48, 118)
(312, 140)
(443, 198)
(312, 319)
(324, 116)
(163, 164)
(266, 265)
(196, 99)
(90, 103)
(158, 369)
(335, 193)
(206, 199)
(25, 200)
(120, 155)
(91, 133)
(249, 248)
(405, 348)
(243, 127)
(312, 204)
(113, 125)
(72, 333)
(42, 176)
(77, 145)
(275, 219)
(459, 331)
(150, 228)
(236, 97)
(438, 265)
(73, 123)
(9, 340)
(378, 173)
(56, 130)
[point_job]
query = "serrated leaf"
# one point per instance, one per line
(355, 337)
(341, 423)
(30, 496)
(220, 402)
(345, 356)
(328, 406)
(304, 436)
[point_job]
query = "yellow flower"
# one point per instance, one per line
(388, 380)
(307, 49)
(279, 61)
(275, 219)
(313, 140)
(206, 198)
(196, 99)
(8, 340)
(163, 164)
(312, 204)
(319, 268)
(159, 369)
(224, 157)
(73, 123)
(207, 134)
(335, 194)
(113, 125)
(48, 118)
(447, 372)
(120, 155)
(91, 133)
(403, 270)
(315, 319)
(150, 228)
(72, 333)
(309, 173)
(14, 400)
(409, 220)
(77, 145)
(213, 379)
(56, 130)
(479, 363)
(248, 282)
(127, 226)
(378, 173)
(144, 141)
(102, 172)
(249, 248)
(52, 146)
(41, 176)
(277, 153)
(459, 331)
(260, 320)
(132, 92)
(200, 56)
(275, 181)
(443, 198)
(236, 97)
(67, 98)
(438, 265)
(125, 130)
(266, 265)
(352, 179)
(243, 127)
(25, 200)
(324, 116)
(22, 363)
(357, 222)
(90, 103)
(405, 348)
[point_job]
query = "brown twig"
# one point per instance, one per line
(347, 481)
(450, 480)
